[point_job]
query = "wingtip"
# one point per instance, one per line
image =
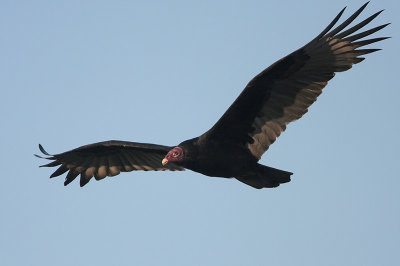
(43, 150)
(338, 16)
(377, 14)
(383, 26)
(359, 60)
(82, 183)
(53, 175)
(67, 181)
(341, 12)
(361, 9)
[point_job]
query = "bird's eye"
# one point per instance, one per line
(175, 154)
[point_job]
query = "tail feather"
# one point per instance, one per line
(265, 177)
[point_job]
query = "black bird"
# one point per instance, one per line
(280, 94)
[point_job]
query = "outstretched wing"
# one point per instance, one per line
(108, 158)
(283, 92)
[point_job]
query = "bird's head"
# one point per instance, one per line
(174, 155)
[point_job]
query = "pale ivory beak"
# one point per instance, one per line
(164, 161)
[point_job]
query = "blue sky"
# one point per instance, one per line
(78, 72)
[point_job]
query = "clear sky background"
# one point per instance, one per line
(78, 72)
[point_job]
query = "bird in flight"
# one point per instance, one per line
(280, 94)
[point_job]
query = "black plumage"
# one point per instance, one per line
(280, 94)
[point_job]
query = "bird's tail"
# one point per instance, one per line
(265, 177)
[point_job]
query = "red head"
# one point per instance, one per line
(174, 155)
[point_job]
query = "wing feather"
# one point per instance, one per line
(61, 170)
(72, 174)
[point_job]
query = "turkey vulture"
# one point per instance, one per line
(280, 94)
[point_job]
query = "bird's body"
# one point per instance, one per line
(214, 158)
(277, 96)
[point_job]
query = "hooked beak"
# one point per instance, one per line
(164, 161)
